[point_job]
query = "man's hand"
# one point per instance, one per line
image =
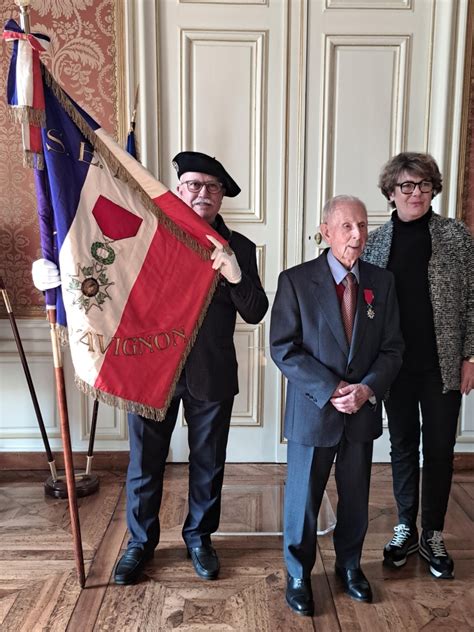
(337, 390)
(350, 398)
(45, 274)
(467, 377)
(226, 264)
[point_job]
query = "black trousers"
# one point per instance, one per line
(208, 430)
(308, 472)
(410, 393)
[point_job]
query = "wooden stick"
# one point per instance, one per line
(67, 450)
(31, 386)
(90, 451)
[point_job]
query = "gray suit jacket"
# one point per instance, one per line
(309, 346)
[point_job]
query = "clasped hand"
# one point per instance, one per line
(226, 263)
(349, 398)
(467, 377)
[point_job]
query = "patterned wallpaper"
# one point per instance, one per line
(82, 57)
(468, 185)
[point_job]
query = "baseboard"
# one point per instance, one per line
(118, 461)
(463, 461)
(113, 461)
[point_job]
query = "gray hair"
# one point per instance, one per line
(331, 204)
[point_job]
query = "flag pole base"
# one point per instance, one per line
(86, 484)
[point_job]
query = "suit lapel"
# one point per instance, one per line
(325, 294)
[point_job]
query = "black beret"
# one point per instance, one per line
(202, 163)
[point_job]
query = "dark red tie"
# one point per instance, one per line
(348, 304)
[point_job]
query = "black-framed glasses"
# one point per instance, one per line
(212, 186)
(407, 187)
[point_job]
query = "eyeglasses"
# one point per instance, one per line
(408, 187)
(212, 186)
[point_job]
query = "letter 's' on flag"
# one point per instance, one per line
(134, 259)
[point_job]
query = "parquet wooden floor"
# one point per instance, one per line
(39, 591)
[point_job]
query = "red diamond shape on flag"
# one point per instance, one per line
(114, 221)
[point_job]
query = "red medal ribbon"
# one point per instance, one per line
(369, 296)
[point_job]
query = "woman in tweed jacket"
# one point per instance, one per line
(432, 258)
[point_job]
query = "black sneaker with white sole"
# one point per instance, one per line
(433, 550)
(403, 543)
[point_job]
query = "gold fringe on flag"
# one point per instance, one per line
(33, 160)
(27, 114)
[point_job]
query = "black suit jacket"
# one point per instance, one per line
(211, 367)
(308, 344)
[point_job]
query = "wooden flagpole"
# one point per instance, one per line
(67, 449)
(61, 394)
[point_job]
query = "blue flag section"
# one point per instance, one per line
(131, 142)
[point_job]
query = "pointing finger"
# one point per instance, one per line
(216, 264)
(215, 242)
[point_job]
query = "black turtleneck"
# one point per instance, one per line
(409, 257)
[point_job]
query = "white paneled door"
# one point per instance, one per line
(300, 100)
(223, 92)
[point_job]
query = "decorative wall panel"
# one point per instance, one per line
(374, 98)
(247, 409)
(225, 2)
(83, 58)
(234, 101)
(369, 4)
(17, 415)
(111, 422)
(18, 420)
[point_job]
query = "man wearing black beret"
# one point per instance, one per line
(207, 387)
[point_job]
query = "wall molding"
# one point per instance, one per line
(229, 42)
(368, 4)
(141, 53)
(335, 45)
(117, 461)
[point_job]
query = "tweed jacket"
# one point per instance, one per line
(451, 284)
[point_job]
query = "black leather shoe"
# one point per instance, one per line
(205, 561)
(130, 565)
(299, 596)
(355, 583)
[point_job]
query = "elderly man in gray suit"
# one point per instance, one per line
(335, 336)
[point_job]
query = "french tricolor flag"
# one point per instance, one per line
(24, 91)
(134, 261)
